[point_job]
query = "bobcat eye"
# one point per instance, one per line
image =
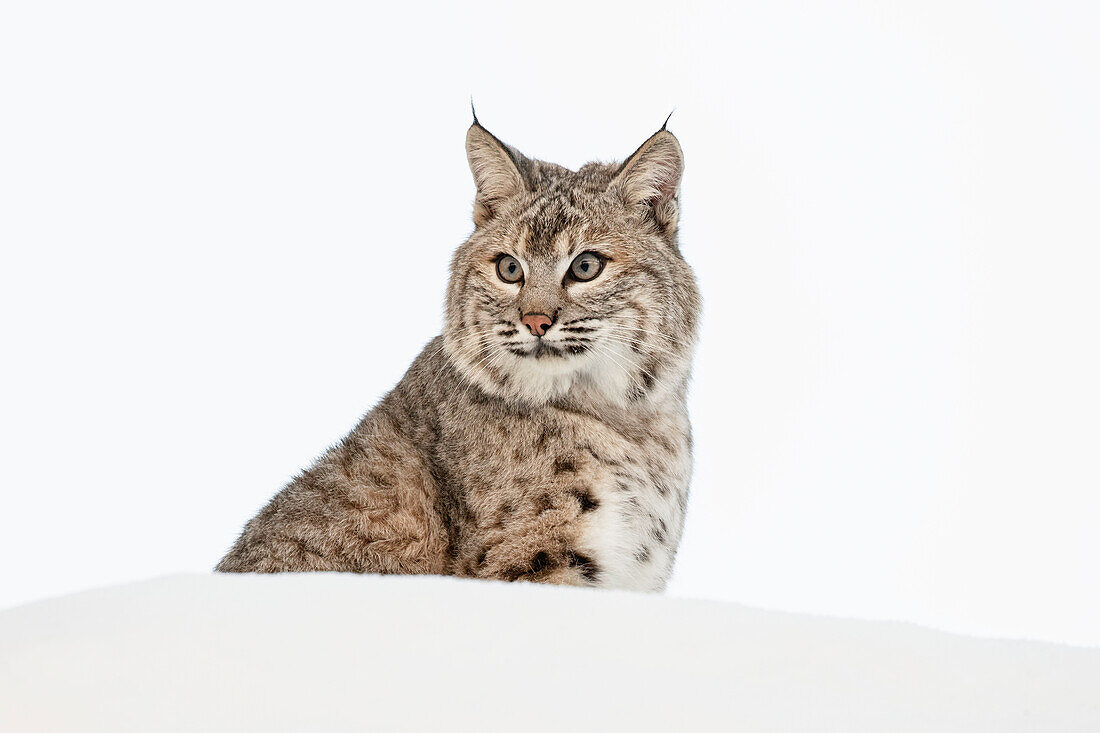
(586, 266)
(508, 269)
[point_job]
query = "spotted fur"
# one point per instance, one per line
(560, 459)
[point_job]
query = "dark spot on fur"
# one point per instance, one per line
(540, 562)
(478, 397)
(512, 573)
(592, 452)
(569, 407)
(305, 549)
(587, 566)
(587, 501)
(481, 556)
(543, 503)
(642, 554)
(543, 439)
(564, 465)
(664, 442)
(350, 504)
(382, 482)
(662, 489)
(660, 532)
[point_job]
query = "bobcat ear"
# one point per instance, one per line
(495, 169)
(650, 179)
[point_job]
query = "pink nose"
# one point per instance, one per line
(537, 323)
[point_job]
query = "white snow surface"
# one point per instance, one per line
(332, 652)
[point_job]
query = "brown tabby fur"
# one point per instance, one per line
(564, 459)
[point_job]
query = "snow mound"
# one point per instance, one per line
(331, 652)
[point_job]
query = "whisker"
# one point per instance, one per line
(628, 341)
(625, 369)
(655, 333)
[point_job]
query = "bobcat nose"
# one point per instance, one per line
(537, 323)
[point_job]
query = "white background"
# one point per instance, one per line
(225, 229)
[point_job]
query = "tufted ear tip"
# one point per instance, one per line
(650, 178)
(495, 171)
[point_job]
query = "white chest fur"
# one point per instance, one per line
(643, 494)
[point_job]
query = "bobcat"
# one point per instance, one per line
(544, 436)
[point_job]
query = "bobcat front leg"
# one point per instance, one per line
(540, 545)
(368, 506)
